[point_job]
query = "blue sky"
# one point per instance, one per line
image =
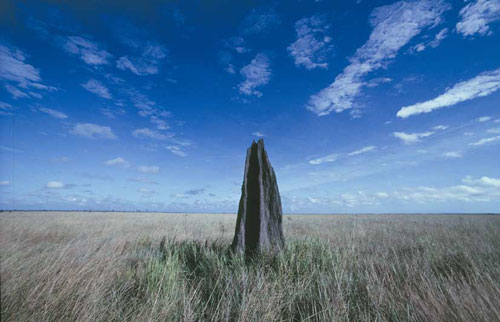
(364, 106)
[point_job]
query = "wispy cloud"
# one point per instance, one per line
(258, 134)
(88, 51)
(148, 169)
(493, 130)
(329, 158)
(137, 66)
(256, 74)
(484, 181)
(259, 21)
(393, 27)
(17, 73)
(410, 138)
(147, 53)
(54, 185)
(433, 43)
(4, 183)
(237, 44)
(482, 85)
(177, 150)
(476, 16)
(96, 87)
(313, 45)
(148, 133)
(15, 92)
(8, 149)
(119, 161)
(483, 119)
(93, 131)
(148, 108)
(53, 113)
(363, 150)
(486, 141)
(6, 108)
(440, 127)
(452, 155)
(59, 185)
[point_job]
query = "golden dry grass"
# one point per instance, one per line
(91, 266)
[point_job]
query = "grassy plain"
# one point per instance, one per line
(92, 266)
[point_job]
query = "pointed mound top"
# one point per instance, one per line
(260, 142)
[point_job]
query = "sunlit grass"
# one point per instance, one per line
(166, 267)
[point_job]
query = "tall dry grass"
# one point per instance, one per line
(58, 266)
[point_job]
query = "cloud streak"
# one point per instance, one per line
(53, 113)
(393, 27)
(329, 158)
(482, 85)
(96, 87)
(17, 73)
(410, 138)
(88, 51)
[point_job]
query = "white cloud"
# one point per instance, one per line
(439, 37)
(15, 92)
(93, 131)
(313, 45)
(146, 192)
(256, 74)
(177, 150)
(363, 150)
(148, 169)
(482, 85)
(441, 127)
(14, 69)
(119, 161)
(55, 185)
(409, 138)
(149, 108)
(230, 69)
(88, 51)
(6, 148)
(376, 82)
(96, 87)
(485, 141)
(4, 183)
(493, 131)
(452, 155)
(53, 113)
(328, 158)
(258, 134)
(148, 133)
(137, 66)
(393, 27)
(476, 16)
(433, 43)
(483, 119)
(237, 44)
(486, 181)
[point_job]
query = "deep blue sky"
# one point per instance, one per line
(364, 106)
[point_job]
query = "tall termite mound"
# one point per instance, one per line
(259, 225)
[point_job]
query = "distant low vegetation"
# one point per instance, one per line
(58, 266)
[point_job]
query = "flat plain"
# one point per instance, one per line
(111, 266)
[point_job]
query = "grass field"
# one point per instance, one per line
(91, 266)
